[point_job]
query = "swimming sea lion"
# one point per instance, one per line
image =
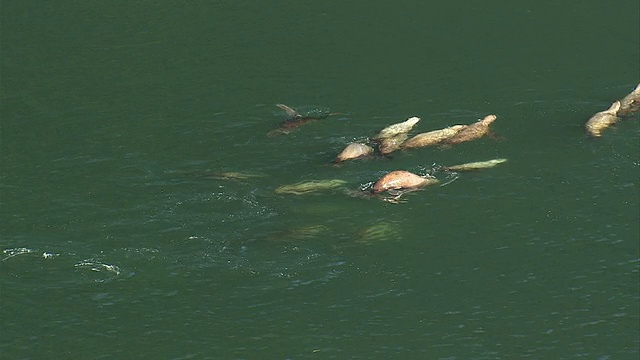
(391, 144)
(471, 132)
(600, 121)
(401, 180)
(630, 103)
(378, 232)
(353, 151)
(432, 137)
(395, 129)
(310, 186)
(475, 165)
(233, 175)
(294, 120)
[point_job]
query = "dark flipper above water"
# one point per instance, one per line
(290, 112)
(295, 120)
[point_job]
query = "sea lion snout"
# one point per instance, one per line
(600, 121)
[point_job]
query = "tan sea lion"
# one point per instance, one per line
(600, 121)
(401, 180)
(472, 132)
(432, 137)
(391, 144)
(630, 103)
(353, 151)
(395, 129)
(475, 165)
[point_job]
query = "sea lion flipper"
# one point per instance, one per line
(613, 109)
(290, 112)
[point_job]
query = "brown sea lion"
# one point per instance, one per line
(294, 120)
(471, 132)
(391, 144)
(395, 129)
(432, 137)
(353, 151)
(401, 180)
(600, 121)
(630, 103)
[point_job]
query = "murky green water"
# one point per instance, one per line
(120, 238)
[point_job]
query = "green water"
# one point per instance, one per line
(118, 242)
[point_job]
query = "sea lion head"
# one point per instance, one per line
(614, 108)
(353, 151)
(487, 120)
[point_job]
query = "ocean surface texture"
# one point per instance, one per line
(139, 217)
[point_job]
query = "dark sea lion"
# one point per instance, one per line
(295, 119)
(353, 151)
(472, 132)
(396, 129)
(401, 180)
(432, 137)
(600, 121)
(630, 103)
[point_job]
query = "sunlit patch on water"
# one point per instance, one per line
(9, 253)
(61, 266)
(13, 252)
(101, 271)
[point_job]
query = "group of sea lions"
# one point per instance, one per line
(388, 140)
(395, 137)
(626, 106)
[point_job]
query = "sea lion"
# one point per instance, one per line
(600, 121)
(630, 103)
(378, 232)
(391, 144)
(432, 137)
(401, 180)
(353, 151)
(475, 165)
(310, 186)
(471, 132)
(395, 129)
(295, 119)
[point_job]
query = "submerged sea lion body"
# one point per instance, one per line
(353, 151)
(630, 103)
(295, 122)
(310, 186)
(432, 137)
(401, 180)
(233, 175)
(600, 121)
(391, 144)
(472, 132)
(475, 165)
(399, 128)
